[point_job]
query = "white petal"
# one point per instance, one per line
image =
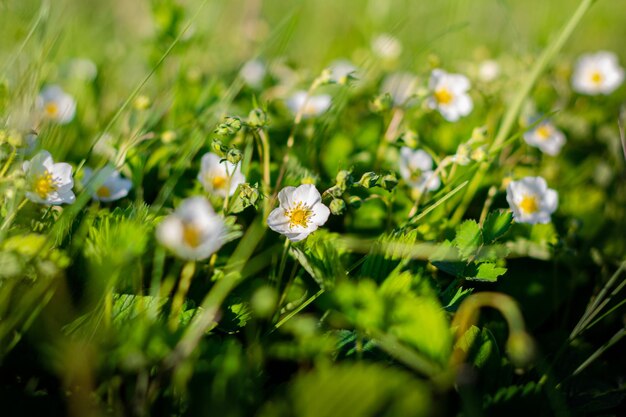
(285, 196)
(62, 172)
(307, 194)
(464, 104)
(278, 221)
(320, 214)
(550, 201)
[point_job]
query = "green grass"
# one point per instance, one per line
(400, 304)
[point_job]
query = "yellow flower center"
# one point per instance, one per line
(596, 77)
(416, 174)
(45, 184)
(218, 182)
(443, 96)
(103, 192)
(51, 109)
(529, 204)
(299, 215)
(191, 235)
(544, 132)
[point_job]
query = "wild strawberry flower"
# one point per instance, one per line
(56, 105)
(312, 106)
(597, 73)
(449, 95)
(488, 70)
(219, 177)
(194, 231)
(253, 73)
(386, 46)
(416, 167)
(546, 137)
(113, 188)
(531, 200)
(401, 86)
(340, 70)
(48, 183)
(300, 213)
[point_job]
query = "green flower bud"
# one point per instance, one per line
(388, 182)
(479, 154)
(344, 179)
(382, 103)
(333, 191)
(369, 179)
(234, 156)
(230, 126)
(337, 206)
(355, 201)
(521, 349)
(257, 118)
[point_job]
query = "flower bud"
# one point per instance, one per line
(382, 103)
(479, 154)
(369, 179)
(337, 206)
(234, 156)
(388, 182)
(230, 126)
(257, 118)
(142, 103)
(344, 179)
(355, 201)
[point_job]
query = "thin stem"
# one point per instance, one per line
(299, 309)
(616, 338)
(9, 161)
(179, 298)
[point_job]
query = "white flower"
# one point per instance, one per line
(386, 46)
(113, 188)
(416, 167)
(300, 213)
(219, 177)
(311, 106)
(597, 73)
(546, 137)
(400, 86)
(253, 73)
(193, 231)
(341, 69)
(56, 105)
(449, 95)
(531, 200)
(48, 183)
(488, 70)
(83, 69)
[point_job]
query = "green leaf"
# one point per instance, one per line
(468, 238)
(356, 390)
(496, 225)
(486, 271)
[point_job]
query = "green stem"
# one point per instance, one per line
(9, 161)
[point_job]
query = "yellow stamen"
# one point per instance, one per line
(443, 96)
(103, 192)
(299, 215)
(596, 77)
(51, 109)
(529, 204)
(416, 174)
(45, 184)
(218, 182)
(191, 235)
(544, 132)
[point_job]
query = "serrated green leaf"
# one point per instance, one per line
(496, 225)
(468, 238)
(486, 271)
